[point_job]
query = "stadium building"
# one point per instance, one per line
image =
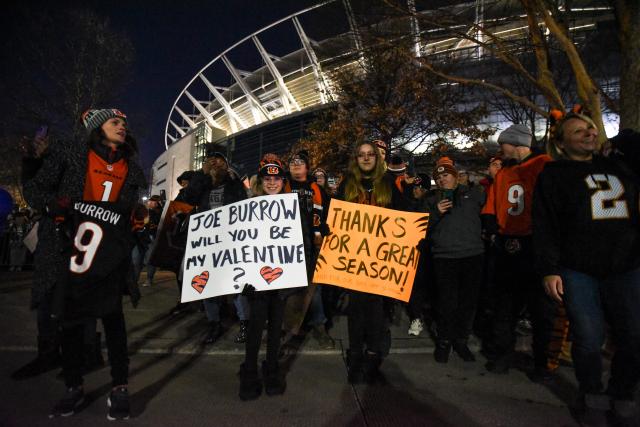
(269, 108)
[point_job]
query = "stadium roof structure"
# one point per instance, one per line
(232, 100)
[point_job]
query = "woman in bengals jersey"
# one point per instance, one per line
(586, 231)
(103, 169)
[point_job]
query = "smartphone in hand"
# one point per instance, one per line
(42, 131)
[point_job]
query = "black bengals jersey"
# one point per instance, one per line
(585, 218)
(99, 260)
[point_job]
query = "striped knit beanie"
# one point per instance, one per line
(93, 119)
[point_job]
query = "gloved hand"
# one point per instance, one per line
(59, 208)
(422, 245)
(248, 290)
(324, 229)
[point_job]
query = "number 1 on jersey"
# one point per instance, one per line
(108, 185)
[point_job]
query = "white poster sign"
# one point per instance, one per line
(256, 241)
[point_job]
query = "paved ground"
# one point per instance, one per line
(176, 382)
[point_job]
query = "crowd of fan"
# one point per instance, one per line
(546, 242)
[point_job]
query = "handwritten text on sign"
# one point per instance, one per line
(256, 241)
(371, 249)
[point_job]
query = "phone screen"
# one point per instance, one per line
(42, 131)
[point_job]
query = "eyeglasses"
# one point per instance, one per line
(366, 155)
(297, 162)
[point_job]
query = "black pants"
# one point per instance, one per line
(73, 334)
(418, 296)
(519, 287)
(366, 322)
(48, 336)
(266, 305)
(458, 281)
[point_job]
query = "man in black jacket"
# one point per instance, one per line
(213, 186)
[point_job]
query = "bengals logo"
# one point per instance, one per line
(273, 170)
(199, 281)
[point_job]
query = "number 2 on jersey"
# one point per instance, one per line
(80, 263)
(605, 203)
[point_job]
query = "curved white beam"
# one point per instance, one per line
(256, 106)
(235, 119)
(323, 86)
(207, 115)
(286, 97)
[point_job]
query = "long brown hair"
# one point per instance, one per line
(354, 191)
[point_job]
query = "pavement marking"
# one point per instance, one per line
(192, 351)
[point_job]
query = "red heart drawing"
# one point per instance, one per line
(270, 274)
(199, 281)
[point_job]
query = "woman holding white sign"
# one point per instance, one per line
(266, 306)
(367, 183)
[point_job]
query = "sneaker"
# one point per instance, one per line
(146, 284)
(323, 338)
(242, 332)
(67, 406)
(118, 403)
(416, 327)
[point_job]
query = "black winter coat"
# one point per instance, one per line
(61, 173)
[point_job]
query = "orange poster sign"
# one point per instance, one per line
(371, 249)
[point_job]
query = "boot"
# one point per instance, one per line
(242, 332)
(215, 332)
(93, 359)
(460, 347)
(48, 358)
(442, 351)
(371, 367)
(355, 372)
(274, 382)
(250, 384)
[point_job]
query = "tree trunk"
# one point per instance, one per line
(628, 16)
(588, 91)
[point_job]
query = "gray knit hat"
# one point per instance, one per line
(93, 119)
(516, 135)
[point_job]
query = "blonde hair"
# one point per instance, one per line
(354, 191)
(556, 135)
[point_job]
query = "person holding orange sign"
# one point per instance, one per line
(366, 183)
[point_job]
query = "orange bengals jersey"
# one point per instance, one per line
(103, 180)
(510, 196)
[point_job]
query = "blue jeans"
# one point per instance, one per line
(242, 307)
(212, 308)
(589, 301)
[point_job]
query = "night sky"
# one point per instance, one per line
(173, 41)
